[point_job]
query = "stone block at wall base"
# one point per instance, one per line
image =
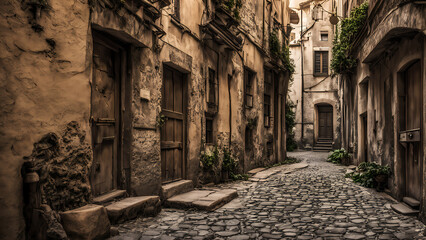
(88, 222)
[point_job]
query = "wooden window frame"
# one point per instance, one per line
(322, 71)
(212, 89)
(209, 138)
(323, 34)
(249, 77)
(268, 85)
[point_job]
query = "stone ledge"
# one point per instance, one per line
(207, 200)
(130, 208)
(174, 188)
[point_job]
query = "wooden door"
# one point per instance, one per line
(364, 137)
(172, 132)
(325, 119)
(105, 120)
(413, 121)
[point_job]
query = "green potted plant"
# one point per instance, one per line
(381, 174)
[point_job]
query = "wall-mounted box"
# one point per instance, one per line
(145, 94)
(410, 136)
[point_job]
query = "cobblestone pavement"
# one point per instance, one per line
(312, 203)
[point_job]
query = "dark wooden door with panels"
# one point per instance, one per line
(173, 130)
(105, 113)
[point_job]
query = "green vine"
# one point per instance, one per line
(282, 53)
(287, 61)
(367, 172)
(209, 159)
(232, 6)
(341, 62)
(290, 122)
(160, 121)
(274, 44)
(339, 156)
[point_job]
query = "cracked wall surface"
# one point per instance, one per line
(45, 89)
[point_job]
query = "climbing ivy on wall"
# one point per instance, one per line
(282, 53)
(232, 6)
(290, 122)
(341, 62)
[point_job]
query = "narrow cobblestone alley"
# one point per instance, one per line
(312, 203)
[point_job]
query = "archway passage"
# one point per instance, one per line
(325, 122)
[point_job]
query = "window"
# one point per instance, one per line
(177, 9)
(292, 37)
(267, 98)
(321, 63)
(248, 139)
(209, 130)
(324, 36)
(211, 87)
(248, 82)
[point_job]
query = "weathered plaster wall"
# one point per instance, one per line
(318, 89)
(390, 47)
(44, 86)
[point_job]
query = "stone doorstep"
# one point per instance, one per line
(87, 222)
(208, 200)
(108, 197)
(411, 202)
(171, 189)
(256, 170)
(404, 209)
(131, 207)
(271, 171)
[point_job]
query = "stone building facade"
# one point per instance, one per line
(107, 94)
(315, 94)
(383, 102)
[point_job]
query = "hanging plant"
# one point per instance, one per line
(349, 28)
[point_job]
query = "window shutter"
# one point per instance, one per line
(317, 62)
(325, 62)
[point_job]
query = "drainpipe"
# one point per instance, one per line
(230, 111)
(301, 70)
(263, 25)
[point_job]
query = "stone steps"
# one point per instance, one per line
(109, 197)
(323, 145)
(171, 189)
(207, 200)
(413, 203)
(132, 207)
(404, 209)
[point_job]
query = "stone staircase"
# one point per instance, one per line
(121, 208)
(323, 145)
(409, 206)
(181, 194)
